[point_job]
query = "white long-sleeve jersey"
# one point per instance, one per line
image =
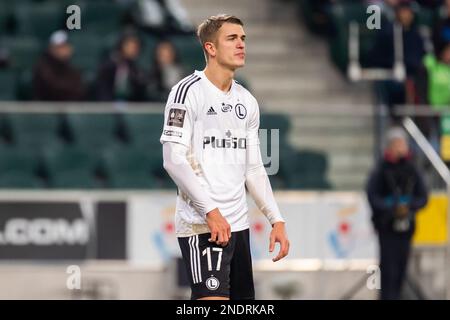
(211, 150)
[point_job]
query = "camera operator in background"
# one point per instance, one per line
(396, 191)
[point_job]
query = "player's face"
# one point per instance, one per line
(230, 46)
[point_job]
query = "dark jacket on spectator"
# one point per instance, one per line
(55, 80)
(382, 54)
(390, 184)
(106, 81)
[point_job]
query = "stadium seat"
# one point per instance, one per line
(88, 50)
(34, 131)
(39, 19)
(275, 121)
(18, 169)
(25, 85)
(305, 170)
(4, 17)
(71, 167)
(128, 168)
(92, 131)
(24, 51)
(8, 85)
(101, 17)
(143, 130)
(190, 51)
(147, 56)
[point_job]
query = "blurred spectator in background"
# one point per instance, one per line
(438, 77)
(119, 78)
(162, 17)
(441, 30)
(54, 78)
(396, 191)
(433, 86)
(167, 70)
(383, 53)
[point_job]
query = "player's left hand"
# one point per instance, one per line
(279, 235)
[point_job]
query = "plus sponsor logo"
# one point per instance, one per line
(229, 142)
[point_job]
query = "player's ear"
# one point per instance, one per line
(210, 48)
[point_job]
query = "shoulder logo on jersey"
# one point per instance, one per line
(226, 107)
(172, 133)
(212, 283)
(211, 111)
(241, 111)
(176, 117)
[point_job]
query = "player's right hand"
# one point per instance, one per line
(219, 227)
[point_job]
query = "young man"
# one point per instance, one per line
(211, 151)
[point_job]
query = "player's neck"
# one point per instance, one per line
(220, 77)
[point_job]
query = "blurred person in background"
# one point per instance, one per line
(383, 55)
(441, 30)
(396, 191)
(434, 91)
(54, 78)
(119, 78)
(162, 17)
(166, 71)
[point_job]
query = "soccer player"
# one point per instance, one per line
(211, 151)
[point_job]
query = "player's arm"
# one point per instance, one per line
(176, 139)
(258, 185)
(179, 169)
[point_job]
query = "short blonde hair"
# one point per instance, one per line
(207, 30)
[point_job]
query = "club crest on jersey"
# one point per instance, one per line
(211, 111)
(241, 111)
(176, 117)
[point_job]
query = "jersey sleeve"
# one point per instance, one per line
(179, 120)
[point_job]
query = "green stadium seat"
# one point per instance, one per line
(39, 19)
(8, 85)
(93, 131)
(24, 51)
(18, 169)
(190, 51)
(147, 56)
(275, 121)
(305, 170)
(34, 131)
(25, 85)
(4, 17)
(88, 50)
(143, 130)
(128, 168)
(101, 16)
(71, 167)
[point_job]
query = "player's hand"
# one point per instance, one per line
(219, 227)
(279, 235)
